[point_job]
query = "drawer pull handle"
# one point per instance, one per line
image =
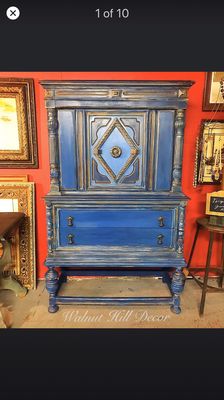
(70, 238)
(161, 222)
(160, 239)
(70, 221)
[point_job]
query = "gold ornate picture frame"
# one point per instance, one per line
(213, 96)
(21, 195)
(14, 178)
(210, 152)
(18, 137)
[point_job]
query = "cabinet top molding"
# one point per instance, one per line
(147, 93)
(123, 83)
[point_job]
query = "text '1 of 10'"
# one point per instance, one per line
(109, 14)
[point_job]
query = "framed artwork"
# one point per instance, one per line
(14, 197)
(210, 152)
(213, 95)
(18, 140)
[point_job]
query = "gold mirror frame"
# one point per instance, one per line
(26, 260)
(22, 90)
(14, 178)
(212, 87)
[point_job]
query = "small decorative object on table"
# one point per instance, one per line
(215, 206)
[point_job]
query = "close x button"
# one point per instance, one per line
(13, 13)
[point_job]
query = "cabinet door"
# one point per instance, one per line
(67, 149)
(117, 149)
(163, 156)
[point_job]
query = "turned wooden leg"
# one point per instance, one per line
(193, 246)
(222, 264)
(52, 285)
(204, 289)
(177, 286)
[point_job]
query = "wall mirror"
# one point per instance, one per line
(19, 197)
(18, 143)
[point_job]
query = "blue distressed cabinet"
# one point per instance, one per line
(115, 205)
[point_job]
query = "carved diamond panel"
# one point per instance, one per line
(116, 131)
(117, 149)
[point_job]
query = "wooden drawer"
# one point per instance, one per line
(119, 218)
(115, 237)
(115, 227)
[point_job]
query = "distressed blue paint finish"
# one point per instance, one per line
(164, 150)
(115, 226)
(115, 139)
(113, 300)
(116, 237)
(67, 149)
(85, 257)
(116, 218)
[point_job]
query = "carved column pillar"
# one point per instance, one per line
(49, 227)
(54, 151)
(181, 221)
(178, 150)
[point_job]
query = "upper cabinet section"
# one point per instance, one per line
(116, 136)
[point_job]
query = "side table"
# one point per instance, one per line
(9, 221)
(203, 223)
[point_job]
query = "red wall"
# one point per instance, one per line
(40, 176)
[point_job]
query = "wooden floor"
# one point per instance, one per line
(31, 311)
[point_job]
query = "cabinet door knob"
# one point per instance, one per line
(70, 221)
(116, 151)
(70, 238)
(161, 221)
(160, 239)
